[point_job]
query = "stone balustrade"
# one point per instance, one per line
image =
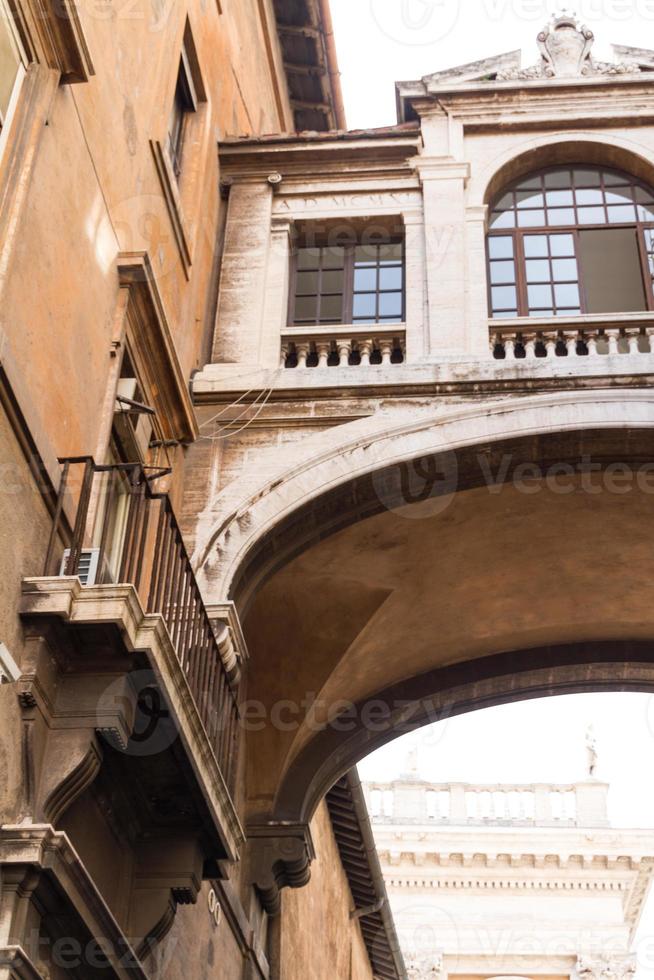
(349, 347)
(588, 340)
(539, 804)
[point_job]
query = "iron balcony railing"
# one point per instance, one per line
(133, 537)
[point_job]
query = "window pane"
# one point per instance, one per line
(535, 245)
(564, 270)
(308, 258)
(502, 272)
(611, 179)
(645, 214)
(504, 297)
(502, 219)
(558, 178)
(391, 277)
(306, 283)
(530, 184)
(559, 198)
(529, 199)
(643, 196)
(538, 270)
(365, 255)
(589, 197)
(562, 245)
(586, 178)
(365, 279)
(539, 296)
(500, 247)
(306, 308)
(531, 219)
(364, 305)
(541, 313)
(391, 253)
(332, 282)
(622, 214)
(390, 304)
(591, 216)
(333, 258)
(619, 196)
(331, 308)
(505, 203)
(609, 261)
(561, 216)
(566, 294)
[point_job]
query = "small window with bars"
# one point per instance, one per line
(357, 284)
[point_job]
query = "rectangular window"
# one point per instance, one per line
(353, 284)
(184, 102)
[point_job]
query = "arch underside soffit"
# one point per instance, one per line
(522, 568)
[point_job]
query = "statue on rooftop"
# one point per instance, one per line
(591, 750)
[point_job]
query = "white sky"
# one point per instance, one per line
(382, 41)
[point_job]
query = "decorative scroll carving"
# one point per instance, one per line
(605, 968)
(424, 966)
(565, 47)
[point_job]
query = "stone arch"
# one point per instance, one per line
(559, 148)
(237, 551)
(444, 693)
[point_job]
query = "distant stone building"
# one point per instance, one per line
(489, 881)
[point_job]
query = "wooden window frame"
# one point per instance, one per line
(518, 234)
(347, 305)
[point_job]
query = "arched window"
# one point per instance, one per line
(571, 240)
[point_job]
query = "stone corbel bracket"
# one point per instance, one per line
(280, 856)
(230, 638)
(52, 34)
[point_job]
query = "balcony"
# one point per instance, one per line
(346, 346)
(579, 336)
(132, 686)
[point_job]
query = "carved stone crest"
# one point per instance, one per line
(565, 47)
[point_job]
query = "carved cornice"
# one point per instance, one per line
(40, 848)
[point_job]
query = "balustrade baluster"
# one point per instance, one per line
(613, 337)
(344, 348)
(323, 354)
(302, 351)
